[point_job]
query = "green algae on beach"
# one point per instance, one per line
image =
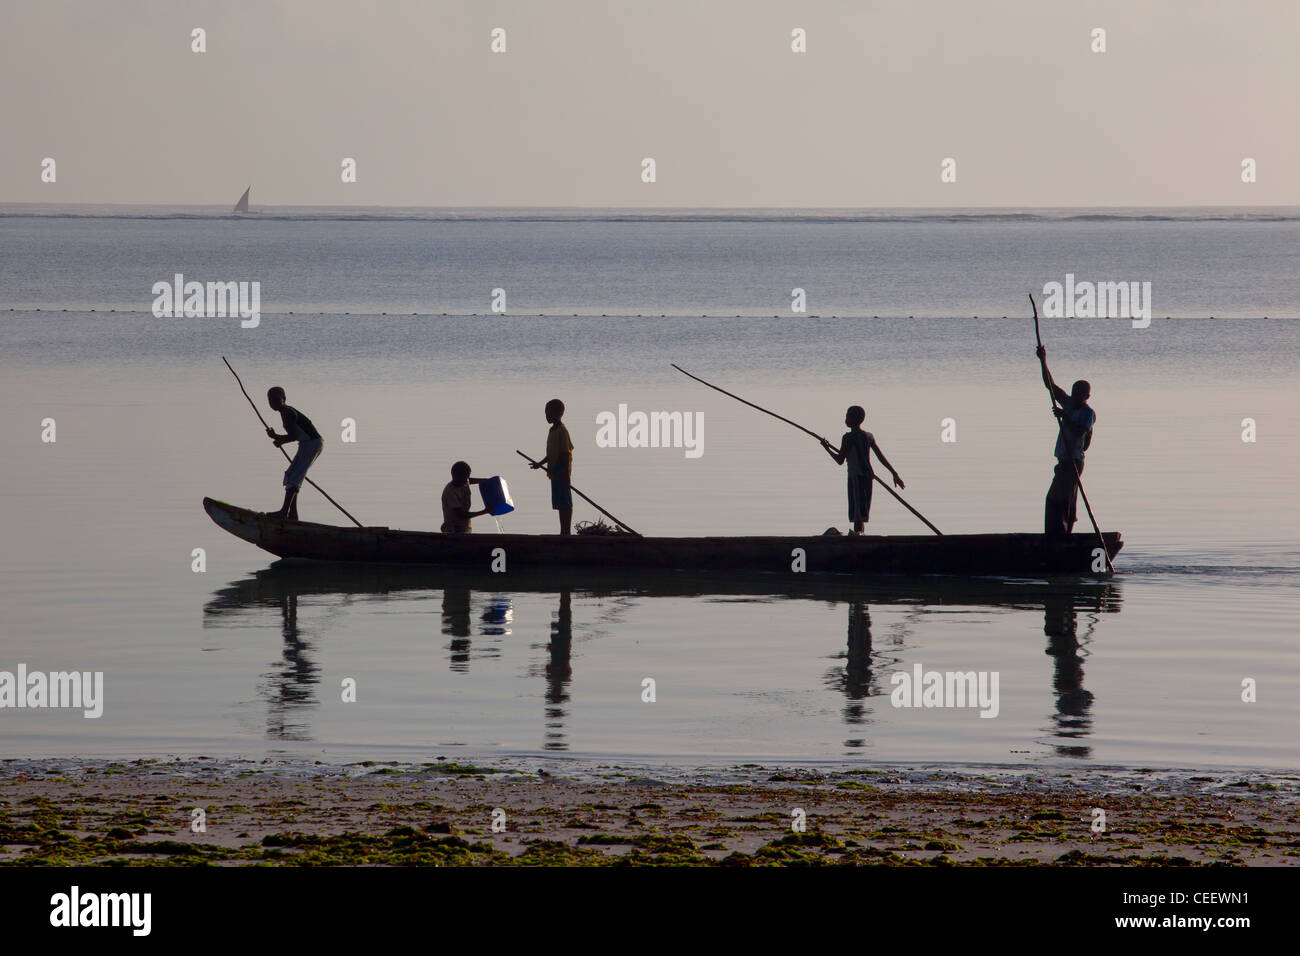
(137, 816)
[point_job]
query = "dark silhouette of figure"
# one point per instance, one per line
(855, 448)
(297, 428)
(456, 515)
(1074, 436)
(558, 463)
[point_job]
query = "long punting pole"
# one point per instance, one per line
(808, 431)
(1060, 423)
(258, 413)
(622, 524)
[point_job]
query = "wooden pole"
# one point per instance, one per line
(258, 413)
(626, 527)
(1060, 424)
(808, 431)
(885, 485)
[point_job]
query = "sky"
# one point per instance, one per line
(709, 89)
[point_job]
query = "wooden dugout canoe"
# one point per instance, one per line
(967, 554)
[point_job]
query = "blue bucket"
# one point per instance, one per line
(496, 496)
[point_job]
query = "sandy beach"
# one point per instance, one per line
(442, 813)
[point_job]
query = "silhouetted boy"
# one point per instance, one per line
(855, 448)
(456, 501)
(559, 463)
(297, 427)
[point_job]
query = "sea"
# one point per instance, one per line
(414, 338)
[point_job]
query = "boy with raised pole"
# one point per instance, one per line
(1072, 440)
(855, 448)
(559, 463)
(297, 427)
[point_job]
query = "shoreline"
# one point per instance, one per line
(63, 811)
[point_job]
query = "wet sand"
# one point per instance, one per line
(140, 813)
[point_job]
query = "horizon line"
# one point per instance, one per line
(654, 208)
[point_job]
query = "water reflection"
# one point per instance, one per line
(457, 618)
(455, 623)
(559, 673)
(861, 673)
(854, 678)
(289, 687)
(1072, 720)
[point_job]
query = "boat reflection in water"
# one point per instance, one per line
(856, 679)
(1073, 717)
(290, 687)
(559, 673)
(457, 614)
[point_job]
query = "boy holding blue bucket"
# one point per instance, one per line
(456, 515)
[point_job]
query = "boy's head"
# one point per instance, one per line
(855, 416)
(554, 410)
(1081, 391)
(275, 397)
(460, 473)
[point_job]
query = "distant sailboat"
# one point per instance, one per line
(242, 205)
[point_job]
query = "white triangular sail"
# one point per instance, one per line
(242, 205)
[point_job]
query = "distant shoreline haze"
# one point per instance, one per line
(800, 265)
(1242, 212)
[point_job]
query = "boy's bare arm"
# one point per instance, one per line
(464, 514)
(475, 514)
(837, 456)
(885, 461)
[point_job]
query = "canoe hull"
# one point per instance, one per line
(973, 554)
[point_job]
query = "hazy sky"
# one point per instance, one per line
(709, 88)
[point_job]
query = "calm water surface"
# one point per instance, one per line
(248, 658)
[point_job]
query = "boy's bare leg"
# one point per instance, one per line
(290, 507)
(566, 519)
